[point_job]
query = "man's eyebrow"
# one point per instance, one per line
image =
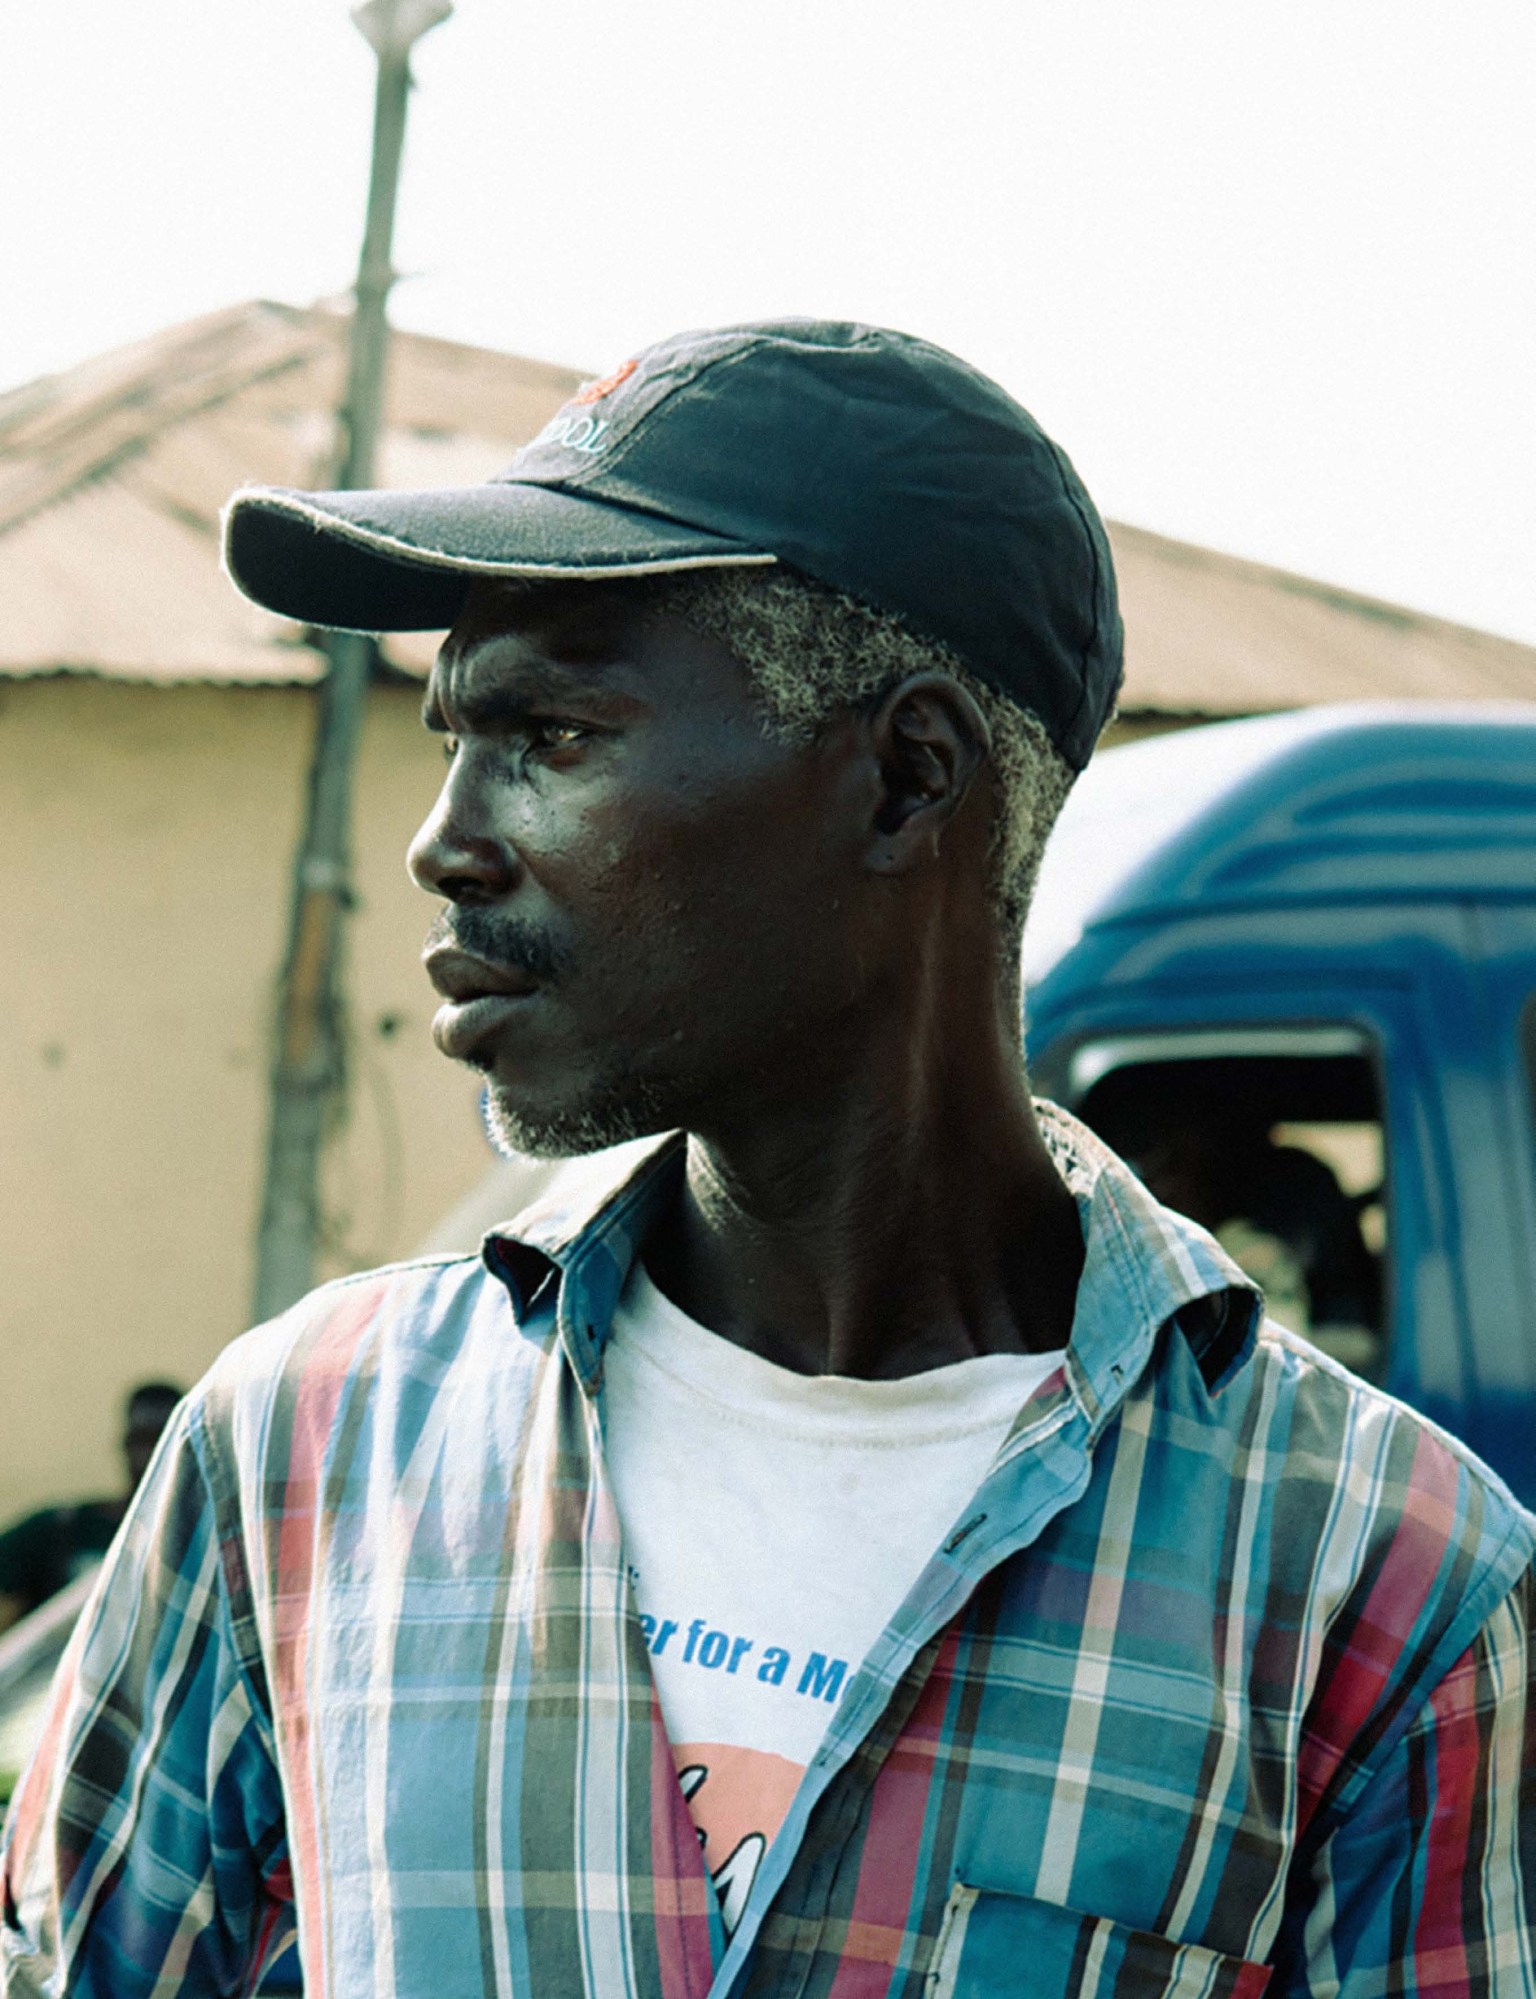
(532, 690)
(489, 710)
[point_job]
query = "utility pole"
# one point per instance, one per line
(308, 1065)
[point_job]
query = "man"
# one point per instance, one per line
(861, 1544)
(46, 1551)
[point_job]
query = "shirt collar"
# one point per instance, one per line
(1144, 1266)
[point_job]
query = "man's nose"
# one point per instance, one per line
(456, 860)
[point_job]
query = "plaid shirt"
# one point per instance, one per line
(1219, 1683)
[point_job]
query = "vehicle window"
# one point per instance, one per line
(1281, 1156)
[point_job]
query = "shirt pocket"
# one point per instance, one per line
(992, 1943)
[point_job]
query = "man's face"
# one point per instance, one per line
(648, 897)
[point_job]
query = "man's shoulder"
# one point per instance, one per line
(1358, 1413)
(1387, 1509)
(345, 1341)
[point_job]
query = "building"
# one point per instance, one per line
(155, 733)
(1209, 637)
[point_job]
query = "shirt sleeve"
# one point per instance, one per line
(1428, 1885)
(145, 1851)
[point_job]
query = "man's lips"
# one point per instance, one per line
(480, 997)
(459, 975)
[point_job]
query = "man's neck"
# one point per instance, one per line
(897, 1211)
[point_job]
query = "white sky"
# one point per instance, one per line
(1267, 270)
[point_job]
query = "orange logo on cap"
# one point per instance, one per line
(595, 391)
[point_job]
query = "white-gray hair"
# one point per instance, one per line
(810, 650)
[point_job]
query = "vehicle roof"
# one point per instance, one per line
(1370, 799)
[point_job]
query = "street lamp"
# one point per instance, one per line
(391, 28)
(308, 1061)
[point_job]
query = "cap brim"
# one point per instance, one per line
(400, 561)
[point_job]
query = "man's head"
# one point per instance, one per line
(771, 660)
(810, 651)
(145, 1415)
(695, 834)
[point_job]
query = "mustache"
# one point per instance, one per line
(504, 941)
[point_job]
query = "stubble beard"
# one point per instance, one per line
(613, 1112)
(613, 1107)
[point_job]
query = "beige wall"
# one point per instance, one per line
(148, 836)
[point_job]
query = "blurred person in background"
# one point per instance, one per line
(1277, 1209)
(43, 1553)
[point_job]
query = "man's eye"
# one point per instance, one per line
(556, 735)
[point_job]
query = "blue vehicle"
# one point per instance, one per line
(1288, 967)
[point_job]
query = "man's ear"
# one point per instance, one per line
(930, 739)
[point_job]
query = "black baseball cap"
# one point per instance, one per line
(872, 461)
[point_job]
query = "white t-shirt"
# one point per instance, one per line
(773, 1523)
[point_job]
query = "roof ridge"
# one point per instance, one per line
(1337, 596)
(172, 382)
(116, 368)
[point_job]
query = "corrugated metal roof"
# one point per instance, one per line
(112, 477)
(1210, 634)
